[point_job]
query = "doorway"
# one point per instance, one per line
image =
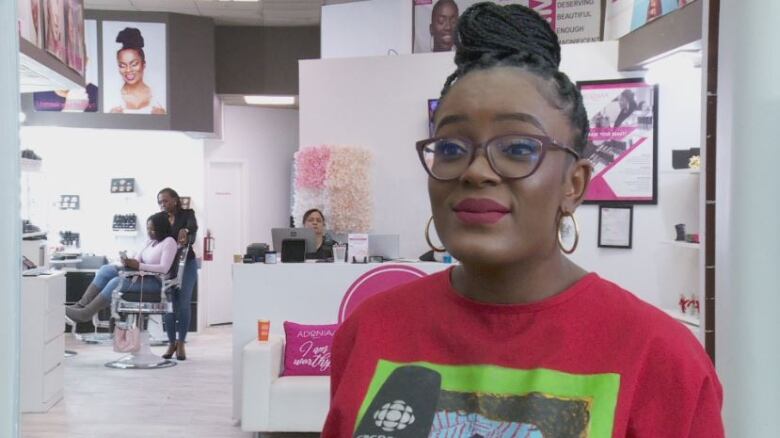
(225, 213)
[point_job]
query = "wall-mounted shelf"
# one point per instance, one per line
(41, 71)
(687, 245)
(28, 165)
(686, 319)
(125, 233)
(32, 235)
(682, 172)
(65, 262)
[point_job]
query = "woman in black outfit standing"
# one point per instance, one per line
(184, 228)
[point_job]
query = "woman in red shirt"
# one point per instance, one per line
(516, 341)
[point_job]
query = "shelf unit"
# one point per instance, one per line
(682, 171)
(125, 233)
(30, 165)
(683, 318)
(678, 244)
(35, 234)
(683, 262)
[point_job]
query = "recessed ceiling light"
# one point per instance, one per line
(270, 100)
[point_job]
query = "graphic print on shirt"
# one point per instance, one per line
(422, 399)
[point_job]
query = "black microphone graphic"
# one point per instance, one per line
(405, 405)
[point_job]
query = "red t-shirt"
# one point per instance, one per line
(592, 361)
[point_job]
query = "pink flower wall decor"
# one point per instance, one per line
(349, 187)
(311, 167)
(337, 180)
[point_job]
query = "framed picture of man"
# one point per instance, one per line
(434, 21)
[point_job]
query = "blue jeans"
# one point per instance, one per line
(107, 279)
(179, 320)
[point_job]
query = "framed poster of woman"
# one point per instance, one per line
(30, 21)
(74, 12)
(54, 18)
(134, 68)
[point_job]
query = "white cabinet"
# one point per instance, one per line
(42, 341)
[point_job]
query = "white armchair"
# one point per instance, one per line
(271, 403)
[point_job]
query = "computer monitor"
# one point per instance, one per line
(337, 237)
(307, 234)
(386, 246)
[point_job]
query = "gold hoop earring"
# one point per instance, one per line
(428, 237)
(576, 233)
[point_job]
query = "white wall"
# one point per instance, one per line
(380, 103)
(265, 140)
(747, 233)
(83, 161)
(366, 28)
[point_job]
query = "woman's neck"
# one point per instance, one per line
(318, 239)
(138, 87)
(518, 283)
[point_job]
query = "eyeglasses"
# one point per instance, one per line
(513, 156)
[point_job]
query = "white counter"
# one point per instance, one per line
(306, 293)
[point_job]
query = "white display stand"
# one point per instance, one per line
(306, 293)
(42, 341)
(683, 262)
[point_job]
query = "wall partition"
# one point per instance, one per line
(135, 65)
(10, 226)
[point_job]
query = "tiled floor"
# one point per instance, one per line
(192, 399)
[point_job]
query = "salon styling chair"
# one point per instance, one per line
(134, 308)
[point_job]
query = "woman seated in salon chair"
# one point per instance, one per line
(315, 220)
(156, 256)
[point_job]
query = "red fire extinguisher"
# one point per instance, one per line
(208, 246)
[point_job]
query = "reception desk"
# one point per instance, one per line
(306, 293)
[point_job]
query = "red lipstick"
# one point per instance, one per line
(480, 211)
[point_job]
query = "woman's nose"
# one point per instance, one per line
(480, 172)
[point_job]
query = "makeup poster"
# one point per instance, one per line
(622, 143)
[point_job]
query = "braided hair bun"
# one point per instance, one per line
(130, 38)
(489, 35)
(487, 30)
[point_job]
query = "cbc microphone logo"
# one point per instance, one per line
(404, 406)
(394, 416)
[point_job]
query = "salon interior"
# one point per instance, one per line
(256, 112)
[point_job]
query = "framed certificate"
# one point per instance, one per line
(616, 226)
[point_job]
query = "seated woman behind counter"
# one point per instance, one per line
(315, 220)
